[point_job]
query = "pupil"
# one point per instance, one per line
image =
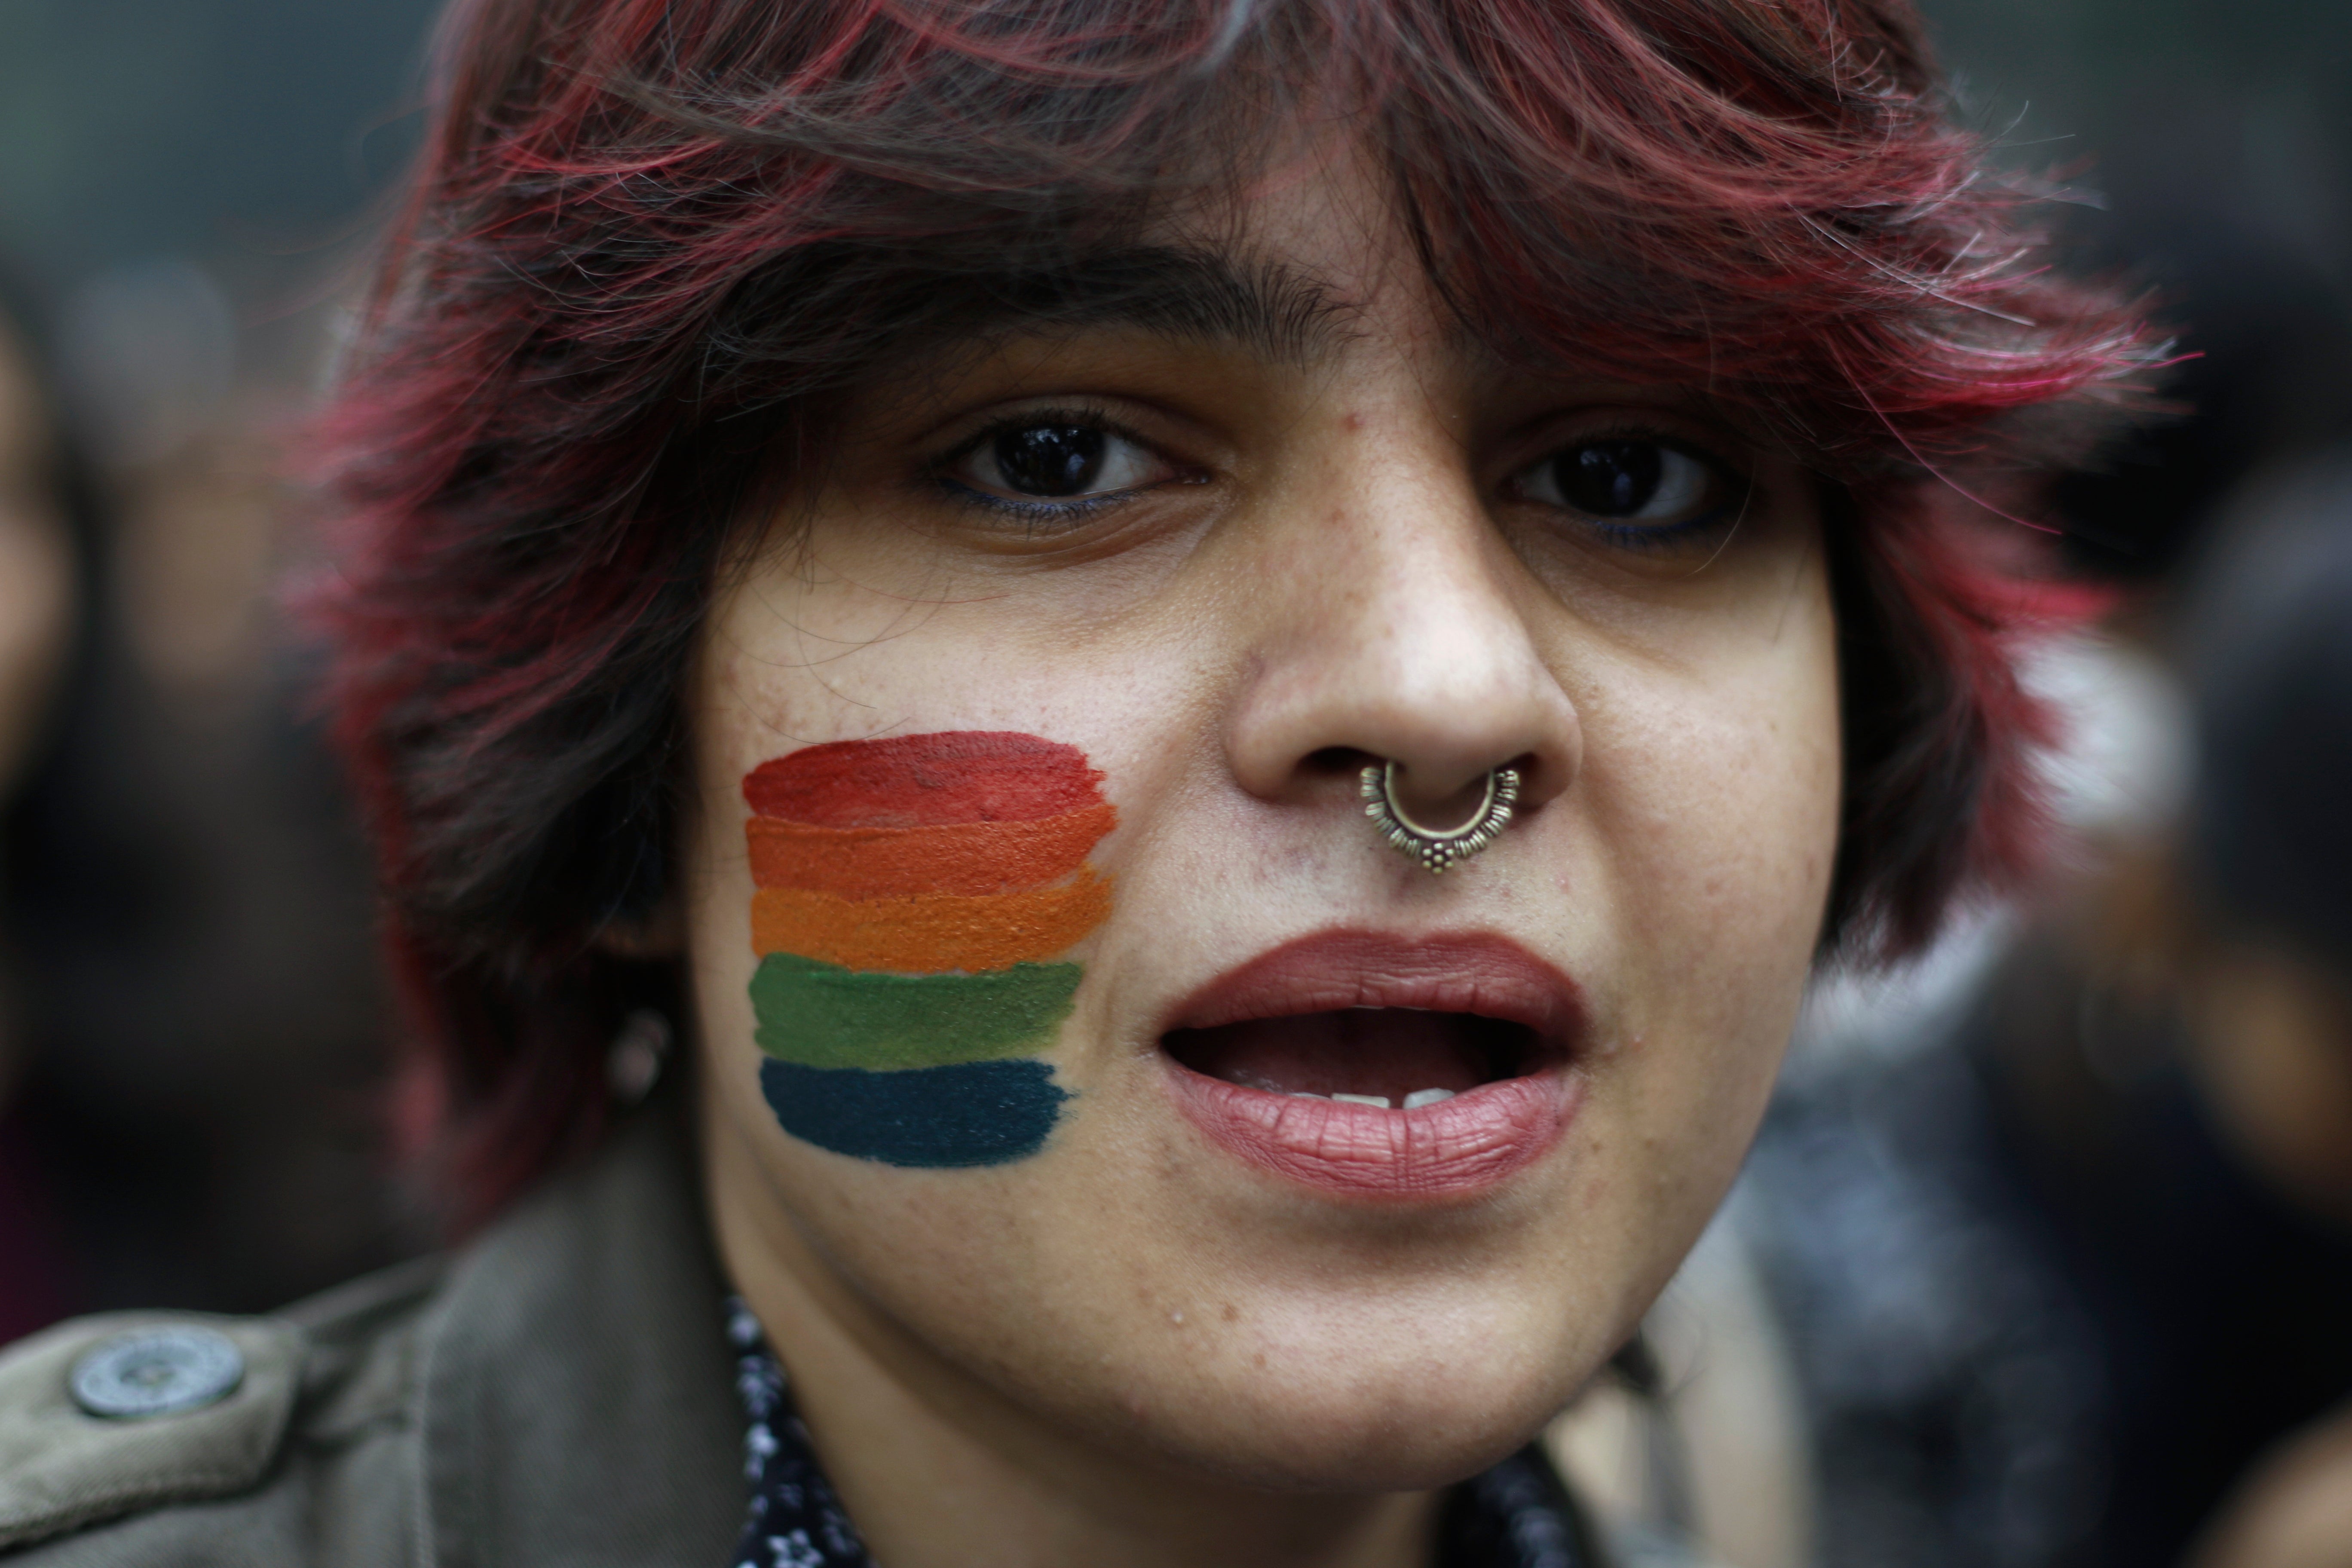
(1050, 459)
(1610, 479)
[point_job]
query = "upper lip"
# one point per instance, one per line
(1476, 973)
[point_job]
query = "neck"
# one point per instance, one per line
(941, 1470)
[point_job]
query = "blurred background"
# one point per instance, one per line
(2045, 1254)
(190, 1022)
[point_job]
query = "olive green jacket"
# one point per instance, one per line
(561, 1393)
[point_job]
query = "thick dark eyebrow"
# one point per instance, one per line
(1272, 310)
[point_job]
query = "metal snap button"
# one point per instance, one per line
(157, 1372)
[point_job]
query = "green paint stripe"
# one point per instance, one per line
(821, 1016)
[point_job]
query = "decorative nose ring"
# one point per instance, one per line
(1436, 848)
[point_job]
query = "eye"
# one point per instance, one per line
(1055, 459)
(1630, 481)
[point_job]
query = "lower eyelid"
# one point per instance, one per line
(1027, 506)
(1662, 535)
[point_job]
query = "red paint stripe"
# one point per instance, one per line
(919, 781)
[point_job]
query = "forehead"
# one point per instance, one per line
(1293, 267)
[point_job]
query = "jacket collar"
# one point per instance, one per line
(577, 1387)
(579, 1392)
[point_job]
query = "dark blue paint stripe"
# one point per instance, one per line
(973, 1113)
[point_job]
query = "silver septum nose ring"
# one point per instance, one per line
(1438, 848)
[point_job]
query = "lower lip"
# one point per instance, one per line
(1458, 1147)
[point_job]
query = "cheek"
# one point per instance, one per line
(1718, 779)
(1732, 827)
(910, 903)
(1716, 796)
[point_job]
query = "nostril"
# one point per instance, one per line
(1535, 780)
(1338, 761)
(1443, 800)
(1439, 809)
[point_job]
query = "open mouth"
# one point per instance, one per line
(1380, 1065)
(1398, 1058)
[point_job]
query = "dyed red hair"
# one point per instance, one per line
(653, 239)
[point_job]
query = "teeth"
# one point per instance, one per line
(1307, 1094)
(1421, 1097)
(1379, 1100)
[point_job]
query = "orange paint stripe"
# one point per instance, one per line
(929, 933)
(963, 859)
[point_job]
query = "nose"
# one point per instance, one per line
(1393, 628)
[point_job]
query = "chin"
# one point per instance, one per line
(1367, 1389)
(1407, 1427)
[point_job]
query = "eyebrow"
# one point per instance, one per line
(1272, 310)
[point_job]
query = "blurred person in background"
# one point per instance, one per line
(2059, 1277)
(2261, 951)
(189, 1036)
(45, 533)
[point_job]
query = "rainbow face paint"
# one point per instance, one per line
(909, 892)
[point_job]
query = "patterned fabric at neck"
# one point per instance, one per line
(795, 1519)
(1517, 1515)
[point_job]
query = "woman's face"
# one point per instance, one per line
(1021, 1025)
